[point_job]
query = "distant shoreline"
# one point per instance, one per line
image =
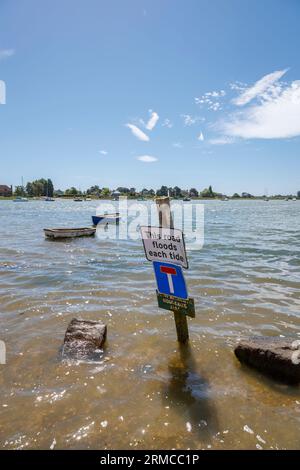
(70, 198)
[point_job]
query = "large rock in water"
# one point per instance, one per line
(276, 357)
(84, 339)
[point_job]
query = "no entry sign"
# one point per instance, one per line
(165, 245)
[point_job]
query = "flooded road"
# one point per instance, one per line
(146, 392)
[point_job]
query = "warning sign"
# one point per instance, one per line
(164, 244)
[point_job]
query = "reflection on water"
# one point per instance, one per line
(146, 392)
(188, 393)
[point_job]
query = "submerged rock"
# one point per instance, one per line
(274, 356)
(83, 339)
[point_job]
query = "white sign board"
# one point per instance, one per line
(164, 244)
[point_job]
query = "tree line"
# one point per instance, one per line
(37, 188)
(174, 192)
(44, 187)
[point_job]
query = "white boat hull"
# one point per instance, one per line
(55, 233)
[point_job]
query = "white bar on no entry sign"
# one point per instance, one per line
(164, 244)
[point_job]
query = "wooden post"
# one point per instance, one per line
(166, 221)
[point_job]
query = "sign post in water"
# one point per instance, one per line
(165, 247)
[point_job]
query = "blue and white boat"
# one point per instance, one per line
(106, 219)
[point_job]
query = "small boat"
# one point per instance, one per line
(49, 199)
(88, 199)
(20, 199)
(106, 219)
(77, 199)
(294, 199)
(55, 233)
(186, 199)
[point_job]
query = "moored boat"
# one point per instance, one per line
(106, 219)
(20, 199)
(55, 233)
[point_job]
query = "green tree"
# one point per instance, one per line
(105, 192)
(30, 189)
(177, 191)
(41, 187)
(50, 188)
(71, 191)
(208, 193)
(235, 196)
(123, 190)
(44, 185)
(193, 192)
(19, 191)
(163, 191)
(94, 191)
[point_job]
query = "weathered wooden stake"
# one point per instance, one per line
(166, 221)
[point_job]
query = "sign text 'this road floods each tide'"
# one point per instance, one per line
(164, 244)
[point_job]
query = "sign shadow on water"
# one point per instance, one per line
(188, 392)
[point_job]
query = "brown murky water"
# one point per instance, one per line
(146, 391)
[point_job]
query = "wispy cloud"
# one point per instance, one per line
(5, 53)
(211, 100)
(177, 145)
(2, 92)
(152, 121)
(189, 120)
(259, 88)
(201, 137)
(238, 86)
(147, 158)
(223, 140)
(136, 131)
(276, 116)
(167, 123)
(103, 152)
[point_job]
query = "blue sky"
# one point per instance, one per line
(149, 92)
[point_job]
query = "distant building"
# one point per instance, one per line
(115, 194)
(5, 190)
(246, 195)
